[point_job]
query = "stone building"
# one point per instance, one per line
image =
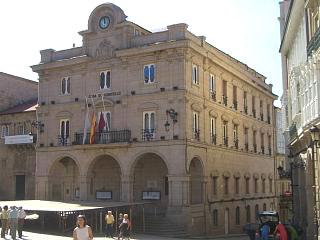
(299, 21)
(185, 125)
(17, 142)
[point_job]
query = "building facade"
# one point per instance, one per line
(299, 49)
(18, 136)
(178, 121)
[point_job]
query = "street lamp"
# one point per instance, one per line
(314, 132)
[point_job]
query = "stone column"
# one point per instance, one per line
(84, 187)
(42, 188)
(126, 191)
(179, 191)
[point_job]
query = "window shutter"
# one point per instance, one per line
(152, 71)
(68, 85)
(108, 79)
(146, 74)
(102, 80)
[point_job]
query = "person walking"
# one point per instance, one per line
(120, 220)
(282, 231)
(21, 216)
(82, 231)
(125, 227)
(4, 220)
(13, 222)
(109, 221)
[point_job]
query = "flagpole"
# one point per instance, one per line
(104, 109)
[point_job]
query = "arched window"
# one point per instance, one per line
(237, 216)
(264, 207)
(248, 214)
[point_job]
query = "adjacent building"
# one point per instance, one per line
(178, 122)
(299, 23)
(18, 135)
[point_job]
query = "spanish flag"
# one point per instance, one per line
(93, 128)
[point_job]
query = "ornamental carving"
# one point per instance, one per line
(105, 50)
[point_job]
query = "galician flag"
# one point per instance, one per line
(93, 127)
(86, 126)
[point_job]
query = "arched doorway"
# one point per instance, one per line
(196, 181)
(64, 180)
(104, 178)
(150, 182)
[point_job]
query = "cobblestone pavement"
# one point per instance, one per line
(38, 236)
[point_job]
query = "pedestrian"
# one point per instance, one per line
(265, 232)
(82, 231)
(120, 219)
(109, 221)
(125, 227)
(4, 220)
(21, 216)
(13, 222)
(282, 231)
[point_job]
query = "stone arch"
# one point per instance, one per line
(149, 173)
(60, 157)
(64, 179)
(104, 175)
(196, 171)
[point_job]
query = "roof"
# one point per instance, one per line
(21, 108)
(51, 206)
(19, 78)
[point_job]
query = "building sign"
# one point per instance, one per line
(18, 139)
(103, 195)
(151, 195)
(108, 94)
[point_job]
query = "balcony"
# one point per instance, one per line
(20, 139)
(246, 147)
(314, 43)
(148, 134)
(236, 143)
(225, 141)
(196, 134)
(106, 137)
(235, 105)
(255, 148)
(225, 100)
(213, 95)
(64, 140)
(214, 139)
(254, 113)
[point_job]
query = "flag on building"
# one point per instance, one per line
(102, 122)
(93, 127)
(86, 125)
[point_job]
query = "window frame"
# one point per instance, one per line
(237, 185)
(195, 75)
(238, 214)
(215, 217)
(212, 82)
(5, 132)
(23, 129)
(247, 185)
(226, 185)
(67, 81)
(195, 121)
(215, 185)
(65, 120)
(144, 119)
(105, 114)
(149, 73)
(105, 80)
(213, 126)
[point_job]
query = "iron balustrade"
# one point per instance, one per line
(255, 148)
(148, 134)
(236, 143)
(63, 140)
(225, 100)
(214, 139)
(196, 134)
(213, 95)
(225, 141)
(104, 137)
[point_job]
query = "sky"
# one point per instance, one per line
(248, 30)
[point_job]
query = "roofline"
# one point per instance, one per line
(286, 25)
(20, 78)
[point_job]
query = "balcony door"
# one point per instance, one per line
(64, 132)
(20, 187)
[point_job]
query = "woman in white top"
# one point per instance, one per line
(82, 231)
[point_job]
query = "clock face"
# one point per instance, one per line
(104, 22)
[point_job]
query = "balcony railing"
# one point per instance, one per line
(105, 137)
(214, 139)
(236, 143)
(246, 109)
(261, 116)
(213, 95)
(235, 105)
(254, 113)
(225, 141)
(64, 140)
(255, 148)
(196, 134)
(246, 147)
(225, 100)
(262, 149)
(148, 134)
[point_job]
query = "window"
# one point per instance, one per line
(263, 186)
(264, 207)
(20, 129)
(246, 139)
(255, 141)
(268, 113)
(237, 185)
(195, 73)
(4, 131)
(214, 185)
(269, 144)
(226, 185)
(213, 130)
(224, 93)
(270, 186)
(235, 136)
(105, 80)
(247, 185)
(245, 102)
(255, 185)
(215, 217)
(248, 214)
(225, 133)
(254, 106)
(237, 215)
(195, 122)
(149, 73)
(262, 142)
(136, 32)
(261, 110)
(256, 208)
(212, 83)
(148, 131)
(65, 86)
(235, 99)
(105, 123)
(64, 137)
(166, 186)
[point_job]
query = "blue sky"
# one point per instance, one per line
(248, 30)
